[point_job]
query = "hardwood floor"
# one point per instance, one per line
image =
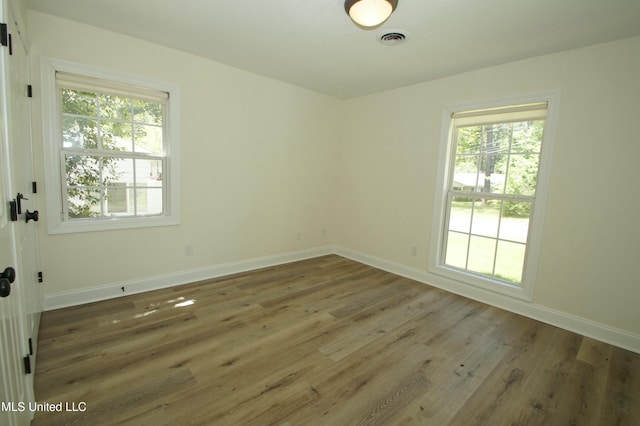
(325, 341)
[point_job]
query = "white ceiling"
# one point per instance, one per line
(314, 44)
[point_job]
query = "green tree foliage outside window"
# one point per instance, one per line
(510, 150)
(98, 132)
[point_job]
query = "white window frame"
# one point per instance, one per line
(525, 289)
(52, 134)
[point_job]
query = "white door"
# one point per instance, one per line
(13, 387)
(21, 157)
(13, 391)
(20, 308)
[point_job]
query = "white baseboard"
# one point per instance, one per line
(111, 291)
(585, 327)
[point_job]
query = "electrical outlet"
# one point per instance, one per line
(299, 236)
(414, 251)
(188, 250)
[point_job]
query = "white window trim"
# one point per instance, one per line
(52, 133)
(525, 289)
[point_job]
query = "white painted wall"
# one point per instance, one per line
(388, 160)
(263, 161)
(258, 164)
(19, 8)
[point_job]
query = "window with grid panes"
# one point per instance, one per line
(114, 152)
(491, 185)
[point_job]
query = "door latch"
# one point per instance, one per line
(19, 199)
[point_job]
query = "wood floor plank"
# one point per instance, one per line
(622, 405)
(354, 388)
(499, 395)
(325, 341)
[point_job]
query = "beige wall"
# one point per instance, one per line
(263, 160)
(258, 160)
(388, 161)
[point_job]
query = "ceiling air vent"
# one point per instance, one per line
(392, 37)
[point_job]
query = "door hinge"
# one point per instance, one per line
(40, 277)
(30, 346)
(4, 34)
(5, 37)
(13, 210)
(29, 91)
(27, 364)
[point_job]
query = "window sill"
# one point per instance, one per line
(521, 291)
(79, 225)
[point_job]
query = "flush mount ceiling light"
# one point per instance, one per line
(369, 13)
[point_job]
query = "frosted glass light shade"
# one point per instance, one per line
(369, 13)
